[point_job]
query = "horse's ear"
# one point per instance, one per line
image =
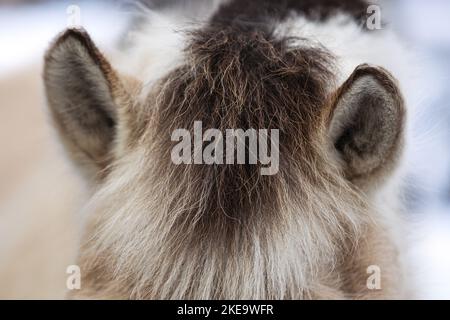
(367, 124)
(82, 88)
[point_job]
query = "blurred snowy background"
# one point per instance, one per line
(26, 27)
(425, 27)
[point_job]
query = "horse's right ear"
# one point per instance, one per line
(81, 88)
(367, 124)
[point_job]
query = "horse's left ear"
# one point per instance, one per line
(367, 124)
(82, 92)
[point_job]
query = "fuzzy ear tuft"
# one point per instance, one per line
(80, 87)
(367, 124)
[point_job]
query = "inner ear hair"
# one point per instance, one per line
(367, 122)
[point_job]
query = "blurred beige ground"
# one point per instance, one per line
(39, 195)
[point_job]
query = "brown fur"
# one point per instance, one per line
(257, 13)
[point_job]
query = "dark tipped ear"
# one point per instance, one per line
(367, 124)
(81, 87)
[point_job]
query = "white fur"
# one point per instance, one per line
(353, 46)
(157, 47)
